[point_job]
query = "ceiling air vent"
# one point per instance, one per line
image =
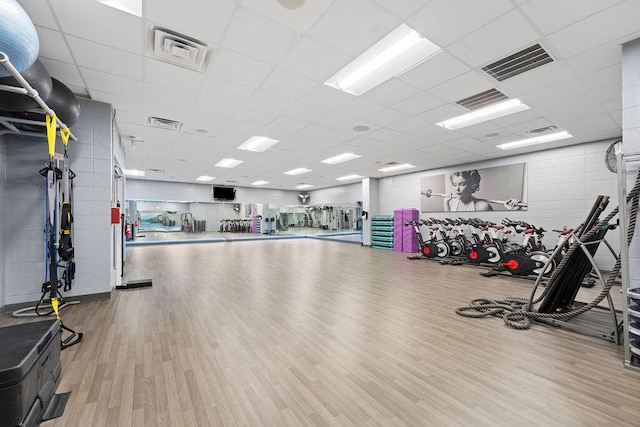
(542, 131)
(164, 123)
(518, 63)
(483, 99)
(178, 49)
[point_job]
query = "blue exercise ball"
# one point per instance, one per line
(18, 37)
(38, 78)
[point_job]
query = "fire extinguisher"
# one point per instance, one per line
(127, 230)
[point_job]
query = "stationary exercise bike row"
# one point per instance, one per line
(483, 242)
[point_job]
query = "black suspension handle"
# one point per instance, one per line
(430, 193)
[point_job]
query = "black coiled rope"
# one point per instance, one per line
(517, 312)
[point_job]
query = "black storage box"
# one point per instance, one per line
(29, 371)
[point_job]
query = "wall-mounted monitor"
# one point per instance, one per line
(224, 193)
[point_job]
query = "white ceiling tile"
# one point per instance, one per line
(335, 120)
(609, 27)
(284, 83)
(166, 95)
(327, 97)
(405, 8)
(39, 13)
(238, 68)
(434, 71)
(299, 19)
(552, 15)
(595, 59)
(390, 92)
(203, 20)
(443, 24)
(258, 37)
(53, 45)
(491, 43)
(265, 101)
(602, 78)
(463, 86)
(359, 108)
(285, 126)
(419, 103)
(168, 75)
(212, 123)
(100, 23)
(387, 117)
(314, 60)
(113, 84)
(119, 102)
(66, 73)
(222, 90)
(342, 26)
(215, 108)
(107, 59)
(254, 116)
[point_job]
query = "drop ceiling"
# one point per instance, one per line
(268, 63)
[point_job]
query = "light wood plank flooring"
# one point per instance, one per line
(313, 333)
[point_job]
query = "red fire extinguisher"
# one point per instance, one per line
(127, 230)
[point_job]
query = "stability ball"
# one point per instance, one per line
(39, 79)
(62, 101)
(18, 37)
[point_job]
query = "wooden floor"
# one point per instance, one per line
(308, 332)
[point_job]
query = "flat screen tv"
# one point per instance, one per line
(224, 193)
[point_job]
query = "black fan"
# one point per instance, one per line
(611, 156)
(303, 198)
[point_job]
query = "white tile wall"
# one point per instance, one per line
(22, 189)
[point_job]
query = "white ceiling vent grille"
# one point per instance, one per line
(542, 131)
(178, 49)
(518, 63)
(164, 123)
(483, 99)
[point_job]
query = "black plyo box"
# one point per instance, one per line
(29, 371)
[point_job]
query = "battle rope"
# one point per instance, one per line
(516, 312)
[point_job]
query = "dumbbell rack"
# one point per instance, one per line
(26, 90)
(382, 232)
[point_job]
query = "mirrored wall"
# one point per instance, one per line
(156, 221)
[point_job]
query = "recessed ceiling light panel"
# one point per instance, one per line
(228, 163)
(133, 172)
(349, 177)
(258, 144)
(396, 168)
(344, 157)
(480, 115)
(398, 51)
(260, 182)
(536, 140)
(205, 178)
(297, 171)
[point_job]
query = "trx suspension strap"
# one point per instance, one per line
(52, 284)
(65, 245)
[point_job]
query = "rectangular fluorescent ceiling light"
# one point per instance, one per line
(398, 51)
(395, 168)
(132, 7)
(133, 172)
(228, 163)
(340, 158)
(260, 182)
(205, 178)
(303, 186)
(535, 140)
(491, 112)
(348, 177)
(258, 144)
(297, 171)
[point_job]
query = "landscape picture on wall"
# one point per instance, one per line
(500, 188)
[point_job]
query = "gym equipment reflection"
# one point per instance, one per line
(164, 221)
